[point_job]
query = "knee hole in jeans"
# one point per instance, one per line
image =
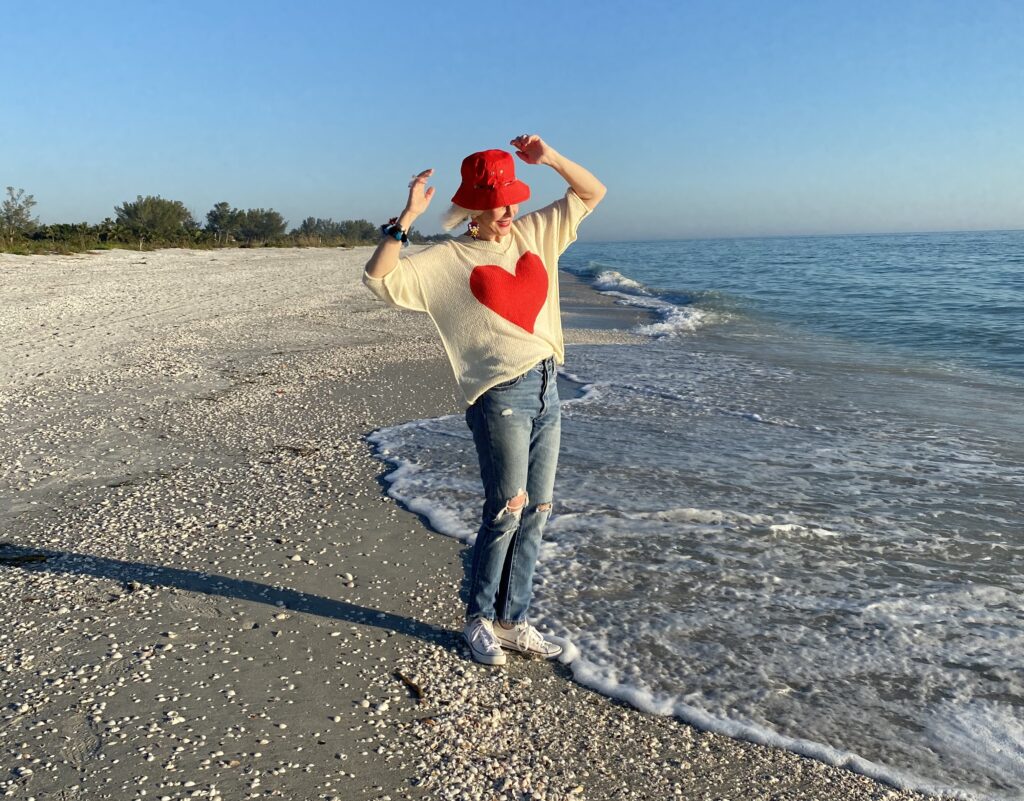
(514, 506)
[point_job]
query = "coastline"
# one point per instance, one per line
(213, 566)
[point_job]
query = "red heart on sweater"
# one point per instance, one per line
(518, 298)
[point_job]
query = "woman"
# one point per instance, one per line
(493, 294)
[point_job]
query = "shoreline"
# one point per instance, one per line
(217, 569)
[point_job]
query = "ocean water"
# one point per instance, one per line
(794, 513)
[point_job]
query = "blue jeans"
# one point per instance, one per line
(516, 428)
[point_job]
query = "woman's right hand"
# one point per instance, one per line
(420, 194)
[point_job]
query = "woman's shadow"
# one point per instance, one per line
(42, 560)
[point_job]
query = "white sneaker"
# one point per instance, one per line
(479, 635)
(525, 639)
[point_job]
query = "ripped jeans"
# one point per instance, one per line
(516, 428)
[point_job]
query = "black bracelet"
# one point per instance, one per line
(395, 231)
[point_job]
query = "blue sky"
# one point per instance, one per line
(703, 118)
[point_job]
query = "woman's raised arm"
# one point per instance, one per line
(534, 150)
(385, 257)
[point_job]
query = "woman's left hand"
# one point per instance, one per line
(534, 150)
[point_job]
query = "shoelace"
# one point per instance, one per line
(486, 637)
(529, 639)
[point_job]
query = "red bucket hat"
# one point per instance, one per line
(489, 182)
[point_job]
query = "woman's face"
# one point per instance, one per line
(496, 223)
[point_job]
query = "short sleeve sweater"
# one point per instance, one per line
(495, 304)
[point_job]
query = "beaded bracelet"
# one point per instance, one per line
(394, 230)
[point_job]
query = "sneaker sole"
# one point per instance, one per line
(484, 659)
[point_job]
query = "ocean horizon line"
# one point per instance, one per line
(749, 237)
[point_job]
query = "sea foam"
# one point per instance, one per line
(674, 319)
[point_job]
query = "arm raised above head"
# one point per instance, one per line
(534, 150)
(385, 257)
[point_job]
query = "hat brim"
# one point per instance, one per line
(496, 198)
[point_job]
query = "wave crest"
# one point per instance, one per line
(676, 314)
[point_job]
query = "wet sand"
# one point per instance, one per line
(206, 592)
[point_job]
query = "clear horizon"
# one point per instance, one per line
(705, 120)
(816, 235)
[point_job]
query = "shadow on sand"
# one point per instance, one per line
(37, 560)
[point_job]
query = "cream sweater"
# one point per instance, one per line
(495, 304)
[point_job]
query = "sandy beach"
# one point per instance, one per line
(207, 593)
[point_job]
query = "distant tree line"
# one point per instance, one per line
(155, 222)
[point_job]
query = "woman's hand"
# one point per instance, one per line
(534, 150)
(420, 194)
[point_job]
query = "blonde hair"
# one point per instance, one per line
(455, 216)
